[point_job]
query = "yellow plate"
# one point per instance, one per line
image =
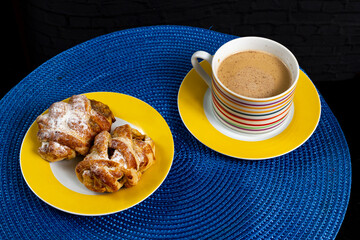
(40, 178)
(307, 110)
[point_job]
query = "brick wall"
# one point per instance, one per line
(324, 35)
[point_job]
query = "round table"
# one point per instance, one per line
(206, 195)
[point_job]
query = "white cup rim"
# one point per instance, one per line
(253, 99)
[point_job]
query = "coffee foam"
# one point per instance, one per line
(254, 74)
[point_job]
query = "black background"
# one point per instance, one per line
(323, 35)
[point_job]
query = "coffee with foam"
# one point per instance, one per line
(254, 74)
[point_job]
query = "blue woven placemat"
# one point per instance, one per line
(206, 195)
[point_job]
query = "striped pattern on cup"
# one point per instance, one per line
(250, 115)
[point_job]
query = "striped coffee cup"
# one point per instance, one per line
(242, 113)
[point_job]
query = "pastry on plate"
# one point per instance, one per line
(69, 128)
(116, 160)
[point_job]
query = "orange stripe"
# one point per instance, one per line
(284, 102)
(215, 86)
(249, 124)
(254, 112)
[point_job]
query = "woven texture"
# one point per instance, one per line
(303, 194)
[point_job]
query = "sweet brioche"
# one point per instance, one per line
(69, 128)
(116, 160)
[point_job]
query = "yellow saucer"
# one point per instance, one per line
(307, 110)
(40, 178)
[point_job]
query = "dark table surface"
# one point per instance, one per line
(338, 94)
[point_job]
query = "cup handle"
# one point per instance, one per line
(194, 61)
